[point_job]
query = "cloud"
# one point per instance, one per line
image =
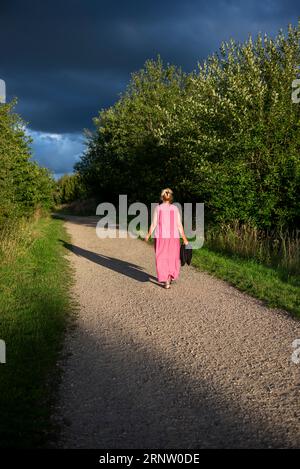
(65, 60)
(58, 152)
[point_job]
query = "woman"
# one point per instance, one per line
(168, 229)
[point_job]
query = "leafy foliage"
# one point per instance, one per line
(69, 188)
(24, 186)
(226, 134)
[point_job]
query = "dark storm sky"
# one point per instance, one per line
(66, 59)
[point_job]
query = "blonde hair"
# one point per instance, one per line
(163, 192)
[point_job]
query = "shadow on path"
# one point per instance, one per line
(129, 396)
(122, 267)
(88, 221)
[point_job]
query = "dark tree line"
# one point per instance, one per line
(227, 134)
(24, 185)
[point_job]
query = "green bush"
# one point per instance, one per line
(24, 186)
(226, 134)
(69, 188)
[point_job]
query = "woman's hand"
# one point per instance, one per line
(185, 241)
(147, 238)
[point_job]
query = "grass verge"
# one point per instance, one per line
(35, 305)
(272, 285)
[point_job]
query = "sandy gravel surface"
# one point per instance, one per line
(201, 365)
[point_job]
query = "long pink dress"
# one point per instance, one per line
(167, 242)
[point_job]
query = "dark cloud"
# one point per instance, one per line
(72, 57)
(66, 59)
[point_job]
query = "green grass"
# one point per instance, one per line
(272, 285)
(34, 307)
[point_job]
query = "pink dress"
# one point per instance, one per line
(167, 241)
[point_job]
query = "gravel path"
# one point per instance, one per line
(201, 365)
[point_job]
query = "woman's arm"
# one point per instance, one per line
(180, 228)
(153, 225)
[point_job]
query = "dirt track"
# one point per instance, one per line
(201, 365)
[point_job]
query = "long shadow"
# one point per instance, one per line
(121, 394)
(89, 221)
(133, 271)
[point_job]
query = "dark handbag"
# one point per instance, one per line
(182, 254)
(186, 253)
